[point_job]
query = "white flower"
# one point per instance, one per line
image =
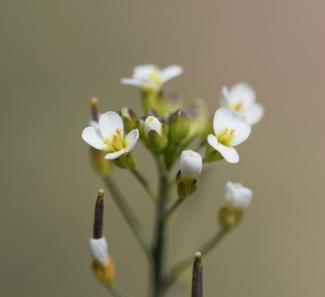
(151, 77)
(152, 124)
(191, 164)
(99, 250)
(109, 136)
(231, 129)
(242, 99)
(238, 196)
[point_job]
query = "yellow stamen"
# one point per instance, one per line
(226, 136)
(116, 142)
(154, 76)
(239, 106)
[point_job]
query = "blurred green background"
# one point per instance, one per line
(55, 55)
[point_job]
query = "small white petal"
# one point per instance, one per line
(115, 155)
(92, 136)
(228, 153)
(109, 122)
(237, 195)
(224, 97)
(191, 164)
(254, 113)
(242, 130)
(225, 118)
(131, 81)
(242, 92)
(131, 139)
(152, 123)
(221, 119)
(144, 71)
(170, 72)
(99, 250)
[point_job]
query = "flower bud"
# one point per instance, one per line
(155, 137)
(152, 124)
(199, 119)
(191, 164)
(97, 159)
(237, 199)
(130, 119)
(179, 126)
(190, 169)
(238, 196)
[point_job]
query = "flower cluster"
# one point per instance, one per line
(173, 134)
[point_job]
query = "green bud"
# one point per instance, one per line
(126, 161)
(211, 155)
(154, 134)
(179, 126)
(185, 186)
(155, 141)
(130, 119)
(229, 218)
(199, 118)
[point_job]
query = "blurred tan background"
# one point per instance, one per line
(55, 55)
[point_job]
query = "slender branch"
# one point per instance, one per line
(205, 249)
(158, 249)
(145, 184)
(116, 292)
(172, 208)
(128, 214)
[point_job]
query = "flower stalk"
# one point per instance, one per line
(128, 214)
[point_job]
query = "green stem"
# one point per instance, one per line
(158, 251)
(128, 214)
(172, 208)
(145, 184)
(205, 249)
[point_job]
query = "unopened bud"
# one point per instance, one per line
(154, 134)
(191, 164)
(179, 126)
(199, 118)
(238, 198)
(130, 119)
(190, 169)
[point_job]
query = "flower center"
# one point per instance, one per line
(239, 106)
(226, 136)
(155, 77)
(116, 142)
